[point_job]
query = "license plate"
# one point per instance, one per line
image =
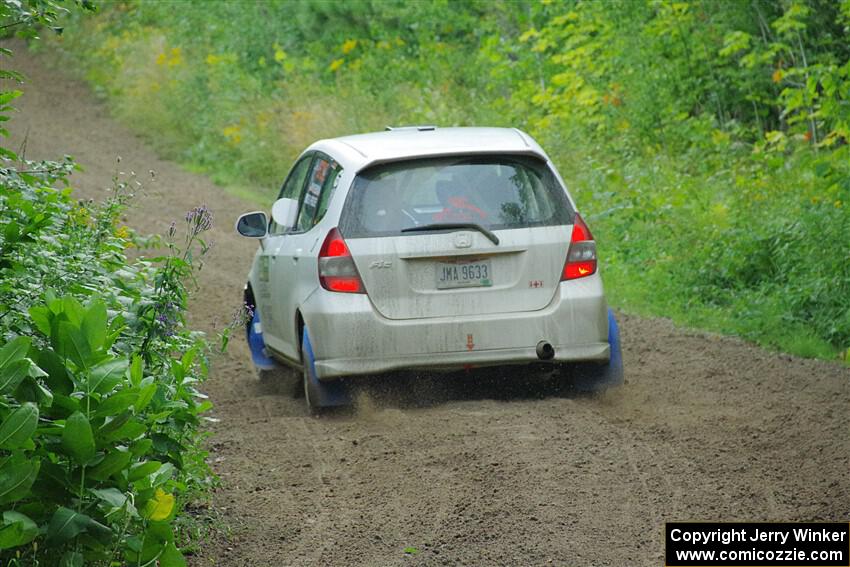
(464, 274)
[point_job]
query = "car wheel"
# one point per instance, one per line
(317, 393)
(592, 377)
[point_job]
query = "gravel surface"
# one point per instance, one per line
(471, 469)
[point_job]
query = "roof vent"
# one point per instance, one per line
(417, 128)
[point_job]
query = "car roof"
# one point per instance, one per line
(362, 150)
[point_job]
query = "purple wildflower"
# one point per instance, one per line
(199, 219)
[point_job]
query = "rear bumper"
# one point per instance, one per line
(457, 360)
(349, 336)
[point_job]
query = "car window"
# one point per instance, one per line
(316, 195)
(497, 192)
(291, 188)
(328, 191)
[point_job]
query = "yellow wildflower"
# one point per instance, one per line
(336, 64)
(175, 58)
(160, 506)
(233, 133)
(349, 46)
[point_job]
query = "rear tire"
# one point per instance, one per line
(592, 377)
(320, 394)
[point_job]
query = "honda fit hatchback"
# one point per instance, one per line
(426, 248)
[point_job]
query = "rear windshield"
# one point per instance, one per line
(496, 192)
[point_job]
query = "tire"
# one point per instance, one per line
(320, 394)
(591, 377)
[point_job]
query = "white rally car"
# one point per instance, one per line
(426, 248)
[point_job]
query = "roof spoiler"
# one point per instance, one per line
(417, 128)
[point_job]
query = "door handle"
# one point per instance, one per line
(297, 254)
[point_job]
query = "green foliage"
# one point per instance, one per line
(707, 142)
(98, 402)
(99, 410)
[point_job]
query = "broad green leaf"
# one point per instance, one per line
(8, 96)
(12, 232)
(112, 496)
(178, 371)
(188, 358)
(142, 469)
(43, 396)
(117, 403)
(70, 344)
(128, 431)
(115, 500)
(106, 375)
(17, 473)
(12, 374)
(15, 349)
(163, 475)
(145, 396)
(171, 557)
(141, 447)
(94, 325)
(58, 376)
(65, 525)
(70, 405)
(72, 559)
(114, 462)
(73, 310)
(136, 369)
(78, 439)
(18, 529)
(19, 426)
(35, 372)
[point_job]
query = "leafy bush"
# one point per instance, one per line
(99, 411)
(98, 374)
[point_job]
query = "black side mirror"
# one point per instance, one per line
(253, 225)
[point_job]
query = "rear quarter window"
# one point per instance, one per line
(496, 192)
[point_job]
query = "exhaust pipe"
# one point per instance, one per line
(545, 351)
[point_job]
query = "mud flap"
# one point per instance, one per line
(321, 394)
(596, 377)
(258, 348)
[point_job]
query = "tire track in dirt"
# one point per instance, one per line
(707, 428)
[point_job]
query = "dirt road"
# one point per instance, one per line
(468, 473)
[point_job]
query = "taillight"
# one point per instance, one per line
(581, 258)
(337, 271)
